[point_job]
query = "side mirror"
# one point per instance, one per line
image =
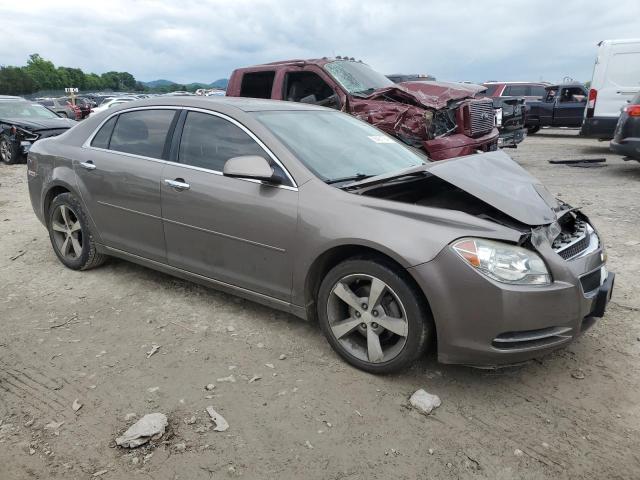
(250, 166)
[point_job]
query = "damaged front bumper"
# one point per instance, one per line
(459, 145)
(511, 138)
(498, 324)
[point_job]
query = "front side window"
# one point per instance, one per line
(357, 78)
(309, 87)
(142, 132)
(335, 146)
(257, 84)
(209, 141)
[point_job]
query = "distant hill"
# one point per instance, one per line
(220, 83)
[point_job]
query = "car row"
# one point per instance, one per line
(485, 267)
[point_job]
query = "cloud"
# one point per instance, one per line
(205, 40)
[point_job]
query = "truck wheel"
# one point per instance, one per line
(532, 130)
(8, 150)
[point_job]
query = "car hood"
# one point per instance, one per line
(427, 94)
(496, 179)
(40, 123)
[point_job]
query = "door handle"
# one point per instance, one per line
(88, 165)
(178, 184)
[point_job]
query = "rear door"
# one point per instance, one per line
(236, 231)
(119, 180)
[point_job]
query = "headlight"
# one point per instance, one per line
(27, 135)
(503, 262)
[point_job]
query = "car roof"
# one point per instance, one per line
(237, 103)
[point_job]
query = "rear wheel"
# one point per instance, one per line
(373, 316)
(8, 150)
(70, 236)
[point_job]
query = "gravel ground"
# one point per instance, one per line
(68, 335)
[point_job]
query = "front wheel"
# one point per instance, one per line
(70, 236)
(533, 130)
(8, 150)
(373, 316)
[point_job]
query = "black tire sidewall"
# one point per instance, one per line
(71, 202)
(418, 316)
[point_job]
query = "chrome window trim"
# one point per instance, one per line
(87, 144)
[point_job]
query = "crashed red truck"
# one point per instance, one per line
(444, 120)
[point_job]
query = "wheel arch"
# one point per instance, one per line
(52, 192)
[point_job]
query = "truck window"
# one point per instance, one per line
(309, 87)
(515, 91)
(572, 95)
(257, 84)
(537, 91)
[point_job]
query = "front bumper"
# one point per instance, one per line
(511, 139)
(485, 323)
(459, 145)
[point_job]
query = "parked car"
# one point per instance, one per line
(62, 106)
(112, 102)
(444, 121)
(85, 105)
(626, 139)
(22, 123)
(562, 106)
(322, 215)
(531, 91)
(616, 80)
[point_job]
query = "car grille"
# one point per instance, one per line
(481, 117)
(543, 337)
(571, 243)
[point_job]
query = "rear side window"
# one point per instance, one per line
(515, 91)
(143, 132)
(101, 140)
(491, 89)
(537, 91)
(209, 141)
(257, 84)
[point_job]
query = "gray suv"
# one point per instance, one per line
(314, 212)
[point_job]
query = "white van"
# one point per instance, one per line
(615, 81)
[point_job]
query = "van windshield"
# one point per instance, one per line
(336, 147)
(357, 78)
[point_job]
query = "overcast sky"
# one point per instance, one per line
(187, 41)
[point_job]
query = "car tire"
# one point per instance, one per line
(532, 130)
(400, 307)
(8, 150)
(70, 235)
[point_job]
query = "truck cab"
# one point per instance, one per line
(444, 121)
(562, 106)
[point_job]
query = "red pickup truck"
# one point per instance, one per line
(444, 120)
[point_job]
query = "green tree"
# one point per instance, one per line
(15, 81)
(42, 72)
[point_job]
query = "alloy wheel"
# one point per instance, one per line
(67, 232)
(5, 151)
(367, 318)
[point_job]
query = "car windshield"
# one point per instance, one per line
(25, 110)
(337, 147)
(357, 78)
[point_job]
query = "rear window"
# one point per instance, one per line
(491, 89)
(143, 132)
(257, 84)
(101, 140)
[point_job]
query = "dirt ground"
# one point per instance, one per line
(68, 335)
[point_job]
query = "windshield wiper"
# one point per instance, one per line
(351, 178)
(385, 177)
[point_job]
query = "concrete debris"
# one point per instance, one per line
(424, 402)
(209, 387)
(76, 405)
(180, 447)
(282, 357)
(431, 451)
(221, 423)
(154, 349)
(578, 374)
(254, 378)
(153, 389)
(53, 425)
(149, 427)
(307, 443)
(100, 472)
(190, 421)
(269, 365)
(130, 416)
(230, 379)
(518, 453)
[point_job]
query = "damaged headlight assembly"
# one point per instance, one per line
(503, 262)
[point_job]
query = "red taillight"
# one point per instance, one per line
(633, 110)
(591, 104)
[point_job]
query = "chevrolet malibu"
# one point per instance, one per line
(314, 212)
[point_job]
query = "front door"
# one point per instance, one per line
(569, 108)
(236, 231)
(119, 181)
